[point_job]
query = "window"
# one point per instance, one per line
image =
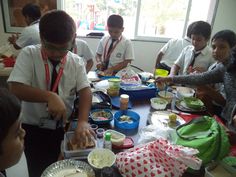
(143, 19)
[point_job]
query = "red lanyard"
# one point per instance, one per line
(47, 75)
(107, 55)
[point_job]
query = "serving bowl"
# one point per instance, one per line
(101, 116)
(100, 158)
(166, 95)
(158, 103)
(182, 92)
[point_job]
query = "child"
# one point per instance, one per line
(225, 72)
(168, 53)
(114, 52)
(11, 133)
(30, 34)
(47, 78)
(196, 57)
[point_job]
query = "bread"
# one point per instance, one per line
(89, 143)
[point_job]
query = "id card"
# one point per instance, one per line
(47, 123)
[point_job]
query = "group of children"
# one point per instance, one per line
(47, 78)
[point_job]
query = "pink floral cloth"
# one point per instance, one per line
(157, 158)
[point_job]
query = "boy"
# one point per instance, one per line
(11, 133)
(82, 49)
(167, 55)
(46, 78)
(30, 34)
(114, 52)
(196, 57)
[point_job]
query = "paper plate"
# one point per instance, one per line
(67, 167)
(161, 119)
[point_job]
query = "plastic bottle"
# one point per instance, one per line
(107, 141)
(124, 101)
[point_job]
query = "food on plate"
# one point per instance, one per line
(172, 117)
(125, 118)
(193, 103)
(89, 143)
(101, 115)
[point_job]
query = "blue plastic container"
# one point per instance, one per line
(126, 125)
(98, 119)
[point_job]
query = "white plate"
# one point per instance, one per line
(66, 167)
(161, 119)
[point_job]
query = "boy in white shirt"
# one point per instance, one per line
(30, 34)
(114, 52)
(196, 57)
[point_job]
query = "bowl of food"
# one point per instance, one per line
(126, 119)
(166, 95)
(101, 116)
(158, 103)
(193, 103)
(117, 138)
(100, 158)
(182, 92)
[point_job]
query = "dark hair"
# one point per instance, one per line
(226, 35)
(10, 108)
(189, 30)
(32, 11)
(57, 26)
(201, 28)
(115, 21)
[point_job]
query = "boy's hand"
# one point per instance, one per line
(12, 39)
(100, 67)
(56, 107)
(108, 72)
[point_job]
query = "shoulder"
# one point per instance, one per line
(206, 51)
(31, 49)
(80, 42)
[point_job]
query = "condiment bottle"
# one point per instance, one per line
(107, 141)
(124, 100)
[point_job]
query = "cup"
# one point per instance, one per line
(94, 127)
(114, 86)
(124, 101)
(100, 132)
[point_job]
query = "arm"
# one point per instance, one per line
(174, 70)
(12, 40)
(56, 106)
(117, 67)
(89, 65)
(99, 61)
(158, 60)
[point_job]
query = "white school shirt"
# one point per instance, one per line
(172, 50)
(123, 50)
(29, 35)
(1, 175)
(30, 70)
(83, 50)
(203, 60)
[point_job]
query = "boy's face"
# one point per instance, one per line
(198, 41)
(12, 146)
(220, 50)
(56, 51)
(115, 33)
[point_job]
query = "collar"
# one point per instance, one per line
(34, 22)
(204, 51)
(187, 39)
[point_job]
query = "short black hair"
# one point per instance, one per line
(32, 11)
(115, 21)
(189, 30)
(226, 35)
(201, 28)
(56, 26)
(10, 108)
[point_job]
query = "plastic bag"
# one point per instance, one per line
(157, 158)
(129, 78)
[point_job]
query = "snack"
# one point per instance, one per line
(100, 115)
(89, 143)
(126, 118)
(172, 117)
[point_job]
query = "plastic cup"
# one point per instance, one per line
(94, 127)
(114, 86)
(100, 132)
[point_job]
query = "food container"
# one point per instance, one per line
(182, 92)
(82, 153)
(161, 72)
(101, 116)
(158, 103)
(100, 158)
(131, 122)
(166, 95)
(114, 86)
(117, 138)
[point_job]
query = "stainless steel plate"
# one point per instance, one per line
(66, 167)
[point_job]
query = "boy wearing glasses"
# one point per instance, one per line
(46, 78)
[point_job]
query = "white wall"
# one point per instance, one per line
(145, 52)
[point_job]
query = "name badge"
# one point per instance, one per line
(47, 123)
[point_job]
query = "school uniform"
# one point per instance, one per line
(42, 145)
(172, 50)
(29, 35)
(82, 49)
(122, 50)
(204, 59)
